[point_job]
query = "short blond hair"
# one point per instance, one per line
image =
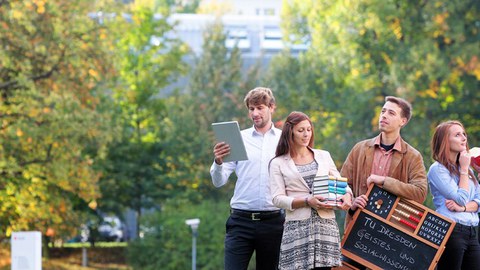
(260, 95)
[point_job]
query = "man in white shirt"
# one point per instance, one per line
(255, 224)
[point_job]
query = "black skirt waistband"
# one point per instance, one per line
(256, 215)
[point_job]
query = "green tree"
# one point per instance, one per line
(215, 82)
(426, 52)
(215, 93)
(148, 59)
(168, 245)
(180, 6)
(54, 126)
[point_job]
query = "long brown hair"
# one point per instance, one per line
(286, 139)
(441, 146)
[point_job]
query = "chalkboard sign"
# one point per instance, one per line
(378, 195)
(434, 229)
(387, 247)
(395, 233)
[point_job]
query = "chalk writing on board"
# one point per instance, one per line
(387, 247)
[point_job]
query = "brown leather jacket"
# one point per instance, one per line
(406, 177)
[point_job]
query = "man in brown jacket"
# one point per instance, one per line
(386, 160)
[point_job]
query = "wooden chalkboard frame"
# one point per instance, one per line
(426, 230)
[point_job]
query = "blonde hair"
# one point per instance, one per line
(260, 95)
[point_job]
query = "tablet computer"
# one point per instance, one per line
(229, 132)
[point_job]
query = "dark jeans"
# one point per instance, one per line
(245, 235)
(462, 250)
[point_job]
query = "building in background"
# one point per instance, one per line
(248, 7)
(259, 38)
(255, 36)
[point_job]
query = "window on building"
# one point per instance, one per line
(269, 12)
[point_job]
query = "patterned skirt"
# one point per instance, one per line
(310, 243)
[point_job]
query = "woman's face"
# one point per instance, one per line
(457, 139)
(302, 132)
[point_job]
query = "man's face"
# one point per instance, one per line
(391, 119)
(260, 114)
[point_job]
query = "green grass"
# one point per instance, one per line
(97, 257)
(97, 244)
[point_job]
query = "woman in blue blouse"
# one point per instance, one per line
(456, 194)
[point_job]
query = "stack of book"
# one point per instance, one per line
(331, 188)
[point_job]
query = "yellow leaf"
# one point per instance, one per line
(476, 72)
(369, 22)
(454, 76)
(10, 191)
(449, 99)
(17, 14)
(440, 18)
(418, 74)
(431, 93)
(93, 204)
(387, 59)
(40, 6)
(355, 72)
(62, 207)
(93, 73)
(41, 9)
(396, 28)
(19, 132)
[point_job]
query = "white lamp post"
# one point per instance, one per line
(193, 223)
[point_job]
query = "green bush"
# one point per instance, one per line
(167, 244)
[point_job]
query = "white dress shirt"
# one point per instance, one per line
(252, 190)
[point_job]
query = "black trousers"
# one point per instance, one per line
(246, 233)
(462, 250)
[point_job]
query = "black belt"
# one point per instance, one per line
(256, 215)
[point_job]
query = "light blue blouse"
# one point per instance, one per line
(444, 186)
